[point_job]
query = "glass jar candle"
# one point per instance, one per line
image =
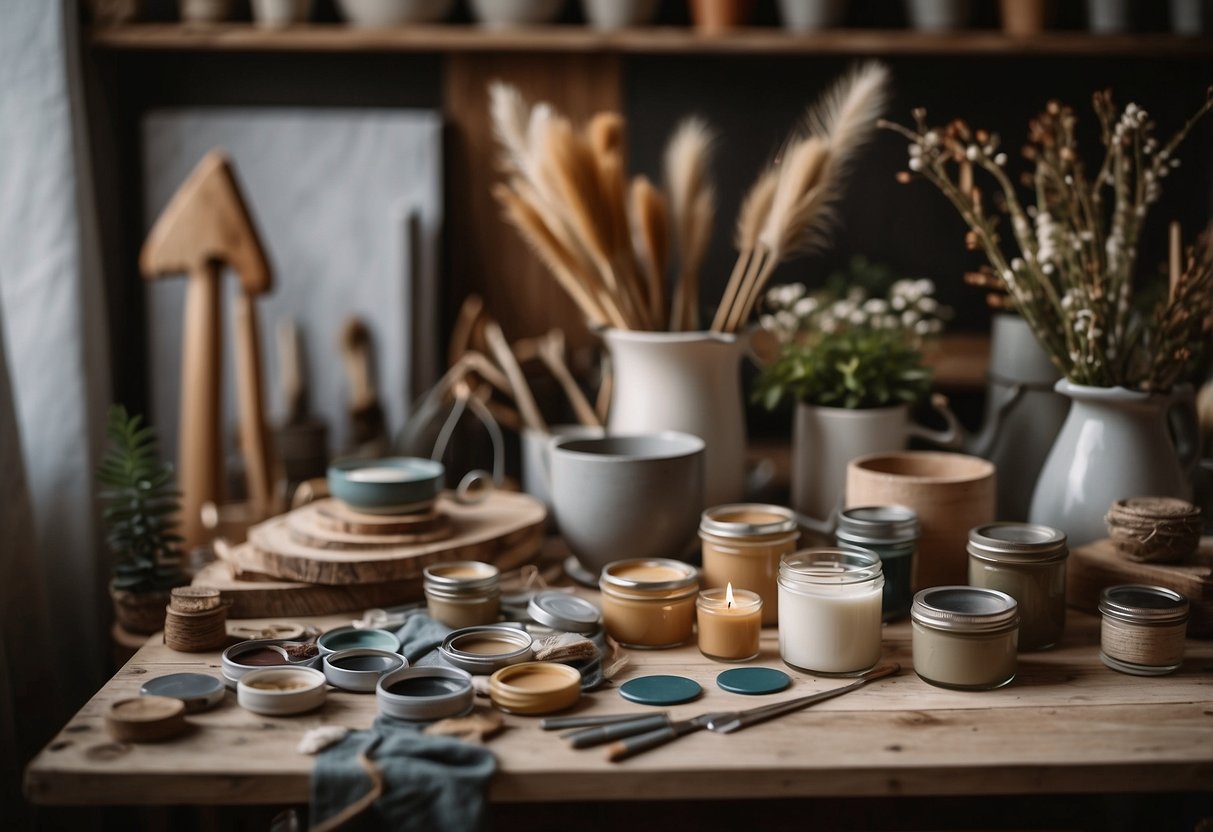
(730, 623)
(742, 545)
(649, 602)
(462, 593)
(1027, 562)
(892, 533)
(1142, 629)
(829, 611)
(964, 637)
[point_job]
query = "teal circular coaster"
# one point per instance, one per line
(753, 681)
(660, 690)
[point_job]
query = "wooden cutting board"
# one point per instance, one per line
(506, 530)
(1098, 565)
(258, 596)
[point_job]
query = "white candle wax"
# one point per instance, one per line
(831, 631)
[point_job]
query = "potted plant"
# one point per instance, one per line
(852, 365)
(140, 507)
(1068, 263)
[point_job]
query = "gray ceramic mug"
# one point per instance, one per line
(631, 496)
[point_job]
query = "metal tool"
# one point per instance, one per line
(557, 722)
(639, 743)
(597, 735)
(727, 723)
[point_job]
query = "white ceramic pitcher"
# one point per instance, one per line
(689, 382)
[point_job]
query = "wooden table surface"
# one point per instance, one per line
(1067, 724)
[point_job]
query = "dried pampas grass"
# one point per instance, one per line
(692, 208)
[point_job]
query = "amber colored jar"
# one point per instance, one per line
(649, 602)
(742, 545)
(463, 593)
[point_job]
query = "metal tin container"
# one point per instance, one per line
(281, 691)
(892, 533)
(419, 694)
(829, 611)
(563, 612)
(358, 669)
(485, 650)
(649, 602)
(535, 688)
(1027, 562)
(964, 637)
(1142, 629)
(742, 544)
(462, 593)
(255, 654)
(349, 638)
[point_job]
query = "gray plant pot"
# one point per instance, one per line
(938, 15)
(618, 14)
(1190, 17)
(811, 15)
(1109, 17)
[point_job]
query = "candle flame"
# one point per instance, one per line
(728, 596)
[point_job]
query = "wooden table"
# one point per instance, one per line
(1066, 725)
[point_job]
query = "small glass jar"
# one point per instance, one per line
(964, 637)
(730, 624)
(1027, 562)
(649, 602)
(742, 545)
(1142, 630)
(462, 593)
(829, 611)
(892, 533)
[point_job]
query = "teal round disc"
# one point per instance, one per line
(660, 690)
(753, 681)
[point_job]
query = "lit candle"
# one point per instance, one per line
(730, 623)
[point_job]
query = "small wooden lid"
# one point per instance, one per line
(145, 719)
(188, 599)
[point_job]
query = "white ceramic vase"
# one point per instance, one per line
(1115, 443)
(1108, 17)
(1190, 17)
(811, 15)
(278, 13)
(376, 14)
(826, 439)
(684, 381)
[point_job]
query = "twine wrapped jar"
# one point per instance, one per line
(1155, 529)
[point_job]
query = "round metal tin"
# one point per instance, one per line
(513, 646)
(562, 611)
(964, 608)
(420, 694)
(349, 638)
(616, 574)
(359, 668)
(1142, 604)
(1017, 543)
(725, 521)
(877, 525)
(198, 691)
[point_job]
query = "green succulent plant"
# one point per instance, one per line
(858, 368)
(140, 507)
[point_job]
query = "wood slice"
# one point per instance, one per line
(336, 516)
(506, 530)
(1098, 565)
(145, 719)
(306, 531)
(253, 596)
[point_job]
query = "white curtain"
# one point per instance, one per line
(52, 570)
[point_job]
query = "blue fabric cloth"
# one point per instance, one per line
(430, 783)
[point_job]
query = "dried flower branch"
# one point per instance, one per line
(1072, 275)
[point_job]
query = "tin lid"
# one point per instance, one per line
(562, 611)
(461, 575)
(649, 574)
(1017, 542)
(830, 566)
(199, 691)
(877, 524)
(1141, 604)
(748, 520)
(964, 609)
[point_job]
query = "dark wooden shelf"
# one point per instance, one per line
(245, 37)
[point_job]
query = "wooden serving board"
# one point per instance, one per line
(1098, 565)
(258, 596)
(336, 516)
(307, 527)
(505, 529)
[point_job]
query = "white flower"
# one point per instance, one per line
(928, 306)
(1017, 265)
(897, 302)
(857, 318)
(786, 320)
(805, 307)
(1000, 159)
(972, 152)
(931, 138)
(925, 286)
(922, 328)
(768, 323)
(915, 165)
(875, 306)
(909, 318)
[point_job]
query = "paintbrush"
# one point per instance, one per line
(368, 429)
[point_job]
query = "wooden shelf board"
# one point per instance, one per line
(245, 37)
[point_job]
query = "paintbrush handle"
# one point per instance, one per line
(555, 723)
(608, 733)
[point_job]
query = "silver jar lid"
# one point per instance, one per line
(830, 566)
(741, 520)
(461, 576)
(964, 609)
(877, 524)
(615, 574)
(562, 611)
(1017, 543)
(1141, 604)
(511, 646)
